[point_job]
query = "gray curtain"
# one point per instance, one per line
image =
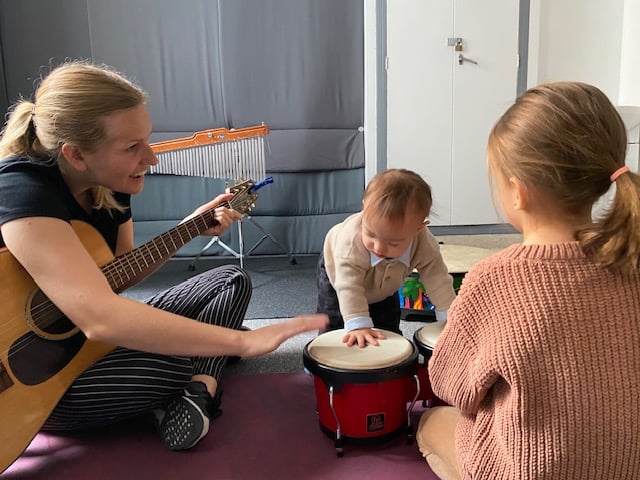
(295, 65)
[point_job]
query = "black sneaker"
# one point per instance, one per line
(186, 419)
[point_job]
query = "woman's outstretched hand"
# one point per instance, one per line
(266, 339)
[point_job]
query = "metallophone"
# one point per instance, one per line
(231, 154)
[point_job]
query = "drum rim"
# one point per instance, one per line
(419, 341)
(398, 360)
(425, 350)
(341, 376)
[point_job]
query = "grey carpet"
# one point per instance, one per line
(280, 289)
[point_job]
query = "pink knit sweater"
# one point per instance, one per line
(541, 353)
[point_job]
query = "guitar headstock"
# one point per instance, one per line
(244, 196)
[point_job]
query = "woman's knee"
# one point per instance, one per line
(239, 276)
(228, 276)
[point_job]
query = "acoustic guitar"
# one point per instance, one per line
(42, 352)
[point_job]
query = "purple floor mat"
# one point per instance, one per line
(269, 430)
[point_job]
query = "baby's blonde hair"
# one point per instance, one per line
(394, 192)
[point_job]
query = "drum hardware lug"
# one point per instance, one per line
(414, 400)
(410, 409)
(409, 435)
(339, 450)
(339, 441)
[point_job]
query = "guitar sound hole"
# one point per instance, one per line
(47, 318)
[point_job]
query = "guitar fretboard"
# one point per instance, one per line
(124, 268)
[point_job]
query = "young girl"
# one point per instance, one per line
(541, 352)
(77, 153)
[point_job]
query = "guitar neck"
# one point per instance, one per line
(126, 268)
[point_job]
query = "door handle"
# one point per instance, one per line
(462, 59)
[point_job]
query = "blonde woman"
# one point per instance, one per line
(78, 152)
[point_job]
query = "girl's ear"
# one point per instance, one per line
(74, 157)
(423, 225)
(520, 194)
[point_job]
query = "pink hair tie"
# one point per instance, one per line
(614, 176)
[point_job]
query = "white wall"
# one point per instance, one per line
(593, 41)
(630, 78)
(629, 64)
(579, 40)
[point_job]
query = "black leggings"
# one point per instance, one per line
(126, 383)
(385, 314)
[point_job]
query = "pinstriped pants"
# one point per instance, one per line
(127, 383)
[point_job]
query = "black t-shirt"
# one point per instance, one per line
(32, 189)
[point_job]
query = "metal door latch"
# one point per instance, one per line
(462, 59)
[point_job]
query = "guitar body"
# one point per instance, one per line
(35, 372)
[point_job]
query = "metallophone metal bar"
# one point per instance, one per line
(220, 153)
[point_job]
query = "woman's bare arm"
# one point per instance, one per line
(54, 257)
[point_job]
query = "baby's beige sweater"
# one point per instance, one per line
(541, 353)
(358, 284)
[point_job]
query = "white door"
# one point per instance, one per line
(441, 107)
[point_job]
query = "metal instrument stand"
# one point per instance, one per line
(240, 254)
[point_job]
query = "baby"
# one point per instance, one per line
(366, 258)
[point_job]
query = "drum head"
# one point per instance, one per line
(329, 350)
(428, 335)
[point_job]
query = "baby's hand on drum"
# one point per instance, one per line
(362, 337)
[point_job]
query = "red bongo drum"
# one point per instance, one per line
(425, 339)
(361, 393)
